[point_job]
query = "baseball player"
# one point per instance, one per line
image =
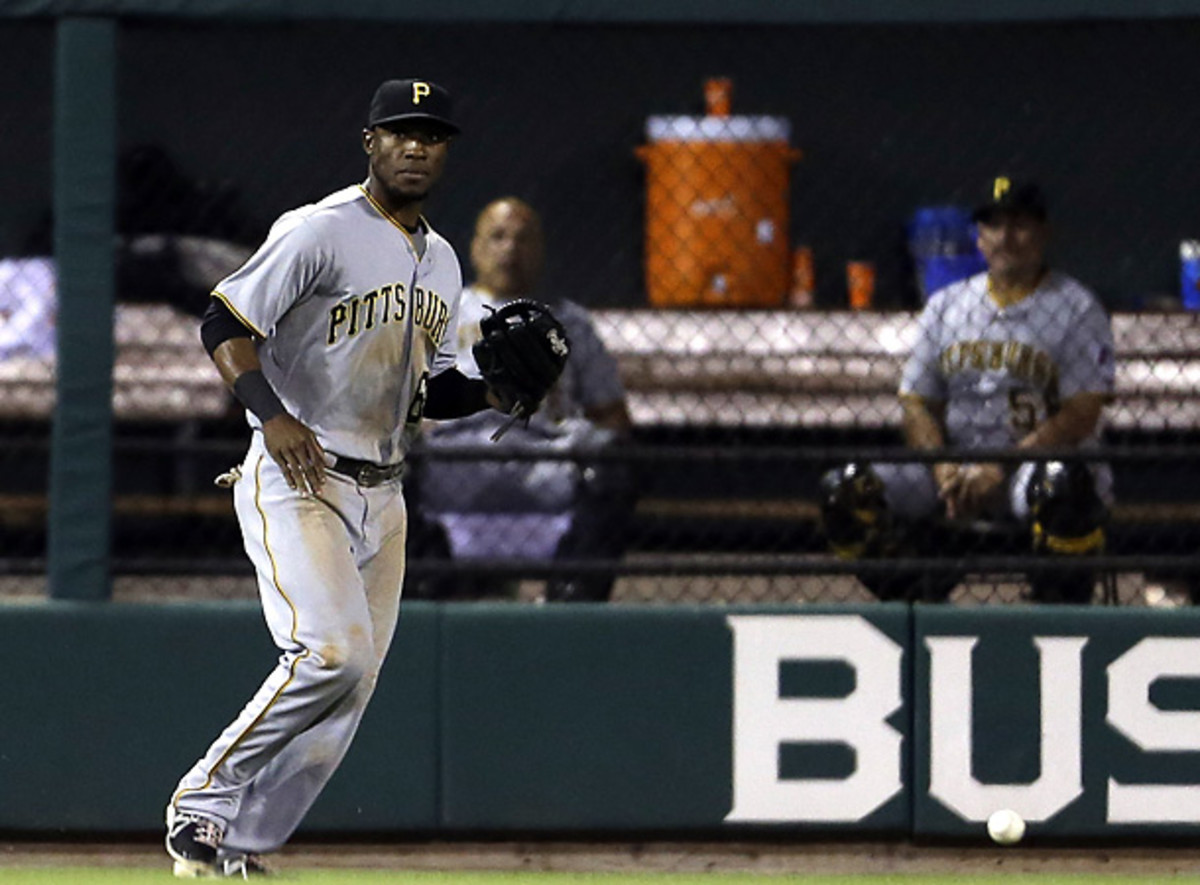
(1018, 356)
(337, 335)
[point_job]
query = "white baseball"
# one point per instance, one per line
(1006, 827)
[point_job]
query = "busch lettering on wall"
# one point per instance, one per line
(764, 722)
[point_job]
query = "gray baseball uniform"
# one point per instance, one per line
(354, 315)
(1002, 371)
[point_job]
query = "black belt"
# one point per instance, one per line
(365, 473)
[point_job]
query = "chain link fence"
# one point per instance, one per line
(26, 296)
(754, 215)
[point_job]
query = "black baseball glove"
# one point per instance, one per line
(521, 354)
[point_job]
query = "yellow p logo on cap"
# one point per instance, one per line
(1000, 187)
(420, 90)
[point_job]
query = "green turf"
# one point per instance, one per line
(125, 876)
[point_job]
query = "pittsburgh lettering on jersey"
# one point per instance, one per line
(385, 306)
(1035, 367)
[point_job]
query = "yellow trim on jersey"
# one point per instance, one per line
(388, 215)
(1009, 297)
(220, 296)
(295, 661)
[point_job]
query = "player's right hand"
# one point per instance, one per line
(297, 452)
(948, 477)
(945, 473)
(970, 489)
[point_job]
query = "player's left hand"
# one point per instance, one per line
(973, 488)
(521, 355)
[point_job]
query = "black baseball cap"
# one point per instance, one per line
(411, 100)
(1017, 195)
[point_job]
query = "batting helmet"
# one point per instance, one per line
(1067, 518)
(854, 514)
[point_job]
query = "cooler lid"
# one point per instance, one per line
(740, 128)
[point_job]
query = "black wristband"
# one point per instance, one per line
(254, 391)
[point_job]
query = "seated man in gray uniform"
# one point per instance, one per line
(1019, 356)
(523, 508)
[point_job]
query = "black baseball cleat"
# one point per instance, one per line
(192, 842)
(244, 866)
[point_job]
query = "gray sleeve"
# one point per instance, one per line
(594, 374)
(276, 276)
(922, 373)
(1087, 362)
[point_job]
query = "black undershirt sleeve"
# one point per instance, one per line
(453, 395)
(219, 325)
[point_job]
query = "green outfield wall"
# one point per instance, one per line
(875, 720)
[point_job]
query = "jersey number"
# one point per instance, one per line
(416, 408)
(1022, 405)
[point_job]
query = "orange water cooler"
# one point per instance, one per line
(717, 210)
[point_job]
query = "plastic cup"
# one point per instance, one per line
(860, 284)
(718, 96)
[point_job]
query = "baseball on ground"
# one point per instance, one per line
(1006, 827)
